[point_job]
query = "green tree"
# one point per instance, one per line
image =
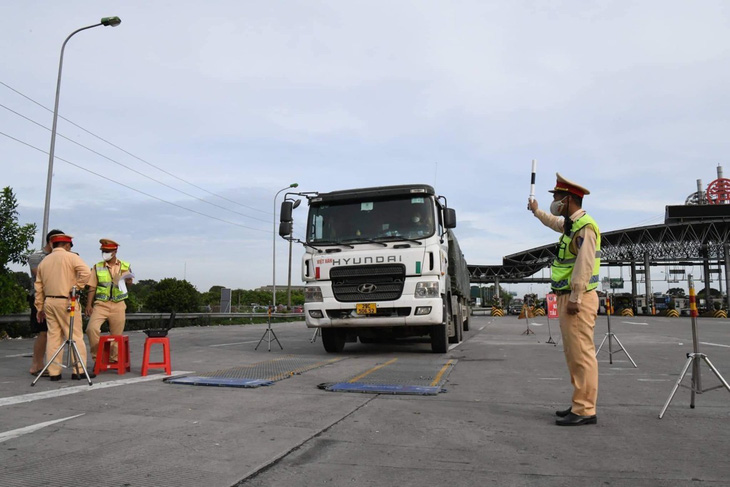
(23, 279)
(173, 295)
(14, 248)
(213, 296)
(139, 293)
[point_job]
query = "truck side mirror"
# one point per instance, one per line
(286, 229)
(286, 211)
(449, 218)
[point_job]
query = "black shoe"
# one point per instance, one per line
(82, 376)
(55, 378)
(563, 413)
(575, 420)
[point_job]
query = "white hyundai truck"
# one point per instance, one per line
(382, 263)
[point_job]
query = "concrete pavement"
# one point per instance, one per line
(494, 425)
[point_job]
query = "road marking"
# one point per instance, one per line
(9, 401)
(19, 355)
(715, 344)
(9, 435)
(634, 323)
(234, 343)
(653, 380)
(368, 372)
(437, 379)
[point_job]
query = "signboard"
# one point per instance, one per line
(552, 305)
(617, 283)
(225, 300)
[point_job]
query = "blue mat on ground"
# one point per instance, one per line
(382, 388)
(219, 381)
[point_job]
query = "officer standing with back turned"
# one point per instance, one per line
(57, 274)
(574, 279)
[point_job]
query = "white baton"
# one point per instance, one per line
(532, 179)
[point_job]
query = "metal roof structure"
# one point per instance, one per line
(674, 243)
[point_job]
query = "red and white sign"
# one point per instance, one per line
(552, 305)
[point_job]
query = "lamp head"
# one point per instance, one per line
(293, 185)
(111, 21)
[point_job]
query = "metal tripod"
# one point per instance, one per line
(693, 359)
(527, 320)
(73, 351)
(610, 336)
(268, 334)
(550, 334)
(317, 332)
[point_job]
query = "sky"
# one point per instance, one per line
(180, 125)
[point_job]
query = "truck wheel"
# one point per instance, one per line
(333, 340)
(440, 333)
(457, 323)
(468, 317)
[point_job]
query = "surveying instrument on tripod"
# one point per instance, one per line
(612, 336)
(268, 334)
(73, 358)
(693, 359)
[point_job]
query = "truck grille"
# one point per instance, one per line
(368, 282)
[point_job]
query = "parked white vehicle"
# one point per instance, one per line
(382, 262)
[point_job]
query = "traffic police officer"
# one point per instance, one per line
(57, 274)
(107, 292)
(574, 279)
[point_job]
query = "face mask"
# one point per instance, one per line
(107, 256)
(556, 207)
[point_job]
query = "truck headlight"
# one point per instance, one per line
(427, 289)
(312, 294)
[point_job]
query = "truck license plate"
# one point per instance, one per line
(366, 308)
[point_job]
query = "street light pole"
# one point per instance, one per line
(273, 247)
(106, 21)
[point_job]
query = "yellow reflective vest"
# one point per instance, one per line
(105, 285)
(562, 268)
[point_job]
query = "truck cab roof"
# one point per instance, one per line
(373, 193)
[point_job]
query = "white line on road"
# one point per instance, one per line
(9, 435)
(634, 323)
(19, 355)
(234, 343)
(715, 344)
(9, 401)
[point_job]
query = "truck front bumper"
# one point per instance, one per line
(402, 312)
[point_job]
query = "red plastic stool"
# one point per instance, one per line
(102, 355)
(165, 364)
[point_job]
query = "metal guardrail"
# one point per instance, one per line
(178, 316)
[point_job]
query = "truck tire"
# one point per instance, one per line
(468, 318)
(458, 324)
(440, 333)
(333, 340)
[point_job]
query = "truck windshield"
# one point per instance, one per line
(407, 217)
